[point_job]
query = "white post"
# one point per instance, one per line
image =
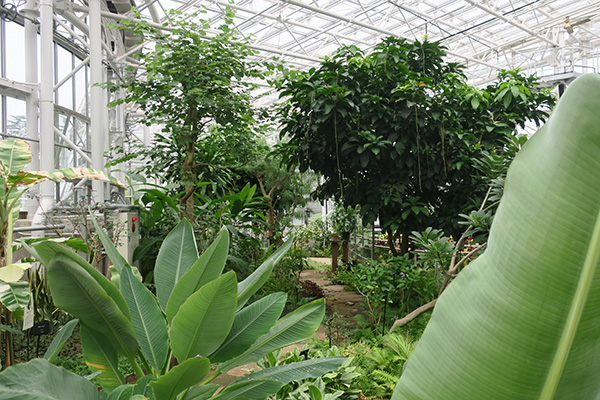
(98, 108)
(46, 101)
(31, 104)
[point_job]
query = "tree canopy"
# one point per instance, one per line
(395, 131)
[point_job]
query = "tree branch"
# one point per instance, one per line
(413, 315)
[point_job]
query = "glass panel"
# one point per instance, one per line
(64, 61)
(81, 90)
(15, 51)
(15, 117)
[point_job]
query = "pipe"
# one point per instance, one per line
(46, 104)
(75, 147)
(31, 102)
(97, 123)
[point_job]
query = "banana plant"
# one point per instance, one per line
(14, 182)
(199, 317)
(523, 320)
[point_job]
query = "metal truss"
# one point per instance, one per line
(555, 39)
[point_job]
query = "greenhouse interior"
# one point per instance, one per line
(274, 199)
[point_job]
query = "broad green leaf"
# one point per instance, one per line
(40, 380)
(77, 292)
(148, 321)
(14, 295)
(100, 355)
(248, 325)
(123, 392)
(15, 154)
(294, 327)
(208, 268)
(177, 254)
(115, 257)
(144, 246)
(296, 371)
(45, 251)
(251, 390)
(181, 377)
(12, 330)
(257, 279)
(200, 392)
(523, 321)
(59, 340)
(143, 388)
(204, 320)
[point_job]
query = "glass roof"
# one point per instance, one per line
(546, 37)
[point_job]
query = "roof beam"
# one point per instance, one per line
(374, 28)
(512, 22)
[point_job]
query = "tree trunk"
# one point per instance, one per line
(404, 244)
(392, 242)
(188, 173)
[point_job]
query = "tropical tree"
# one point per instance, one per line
(192, 85)
(396, 131)
(528, 306)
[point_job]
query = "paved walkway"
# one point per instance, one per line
(346, 304)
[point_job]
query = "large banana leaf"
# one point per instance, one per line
(249, 324)
(181, 377)
(523, 320)
(77, 292)
(208, 268)
(294, 327)
(204, 320)
(47, 250)
(250, 390)
(14, 156)
(40, 380)
(100, 355)
(296, 371)
(257, 279)
(14, 295)
(177, 254)
(148, 321)
(60, 339)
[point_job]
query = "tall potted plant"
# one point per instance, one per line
(343, 220)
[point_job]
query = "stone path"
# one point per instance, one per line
(346, 304)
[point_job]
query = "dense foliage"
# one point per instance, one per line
(396, 131)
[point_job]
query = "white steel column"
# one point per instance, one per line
(46, 144)
(31, 104)
(99, 135)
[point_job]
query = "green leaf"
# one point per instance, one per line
(523, 318)
(45, 251)
(296, 371)
(59, 340)
(208, 268)
(181, 377)
(248, 325)
(294, 327)
(252, 390)
(14, 295)
(144, 246)
(176, 255)
(257, 279)
(123, 392)
(100, 355)
(78, 293)
(204, 320)
(200, 392)
(40, 380)
(15, 154)
(148, 321)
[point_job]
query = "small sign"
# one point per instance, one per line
(41, 328)
(28, 315)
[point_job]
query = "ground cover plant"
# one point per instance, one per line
(528, 305)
